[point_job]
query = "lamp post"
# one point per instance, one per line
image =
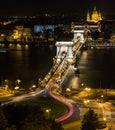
(6, 84)
(82, 84)
(48, 112)
(102, 98)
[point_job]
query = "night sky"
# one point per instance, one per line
(33, 7)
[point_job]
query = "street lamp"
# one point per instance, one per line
(82, 84)
(48, 112)
(102, 97)
(68, 89)
(16, 88)
(33, 86)
(87, 89)
(104, 118)
(6, 84)
(86, 102)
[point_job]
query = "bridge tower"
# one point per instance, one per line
(79, 34)
(64, 49)
(81, 30)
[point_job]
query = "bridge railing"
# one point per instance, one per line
(66, 66)
(51, 72)
(62, 64)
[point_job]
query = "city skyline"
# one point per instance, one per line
(22, 8)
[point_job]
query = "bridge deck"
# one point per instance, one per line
(53, 80)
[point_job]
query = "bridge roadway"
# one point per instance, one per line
(57, 72)
(53, 80)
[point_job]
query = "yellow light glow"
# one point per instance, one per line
(87, 89)
(16, 88)
(104, 119)
(33, 86)
(102, 96)
(75, 82)
(68, 89)
(19, 46)
(48, 110)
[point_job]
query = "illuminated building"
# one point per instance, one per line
(95, 16)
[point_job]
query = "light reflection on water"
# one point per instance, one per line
(26, 63)
(98, 66)
(29, 64)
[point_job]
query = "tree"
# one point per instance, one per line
(90, 121)
(28, 117)
(35, 122)
(3, 120)
(38, 122)
(13, 127)
(57, 126)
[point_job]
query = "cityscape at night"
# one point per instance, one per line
(57, 65)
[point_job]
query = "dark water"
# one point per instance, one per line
(97, 66)
(26, 64)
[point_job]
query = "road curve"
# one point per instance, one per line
(66, 102)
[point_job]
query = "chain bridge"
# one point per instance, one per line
(64, 59)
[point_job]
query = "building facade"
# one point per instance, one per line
(95, 16)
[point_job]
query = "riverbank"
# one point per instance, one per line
(96, 99)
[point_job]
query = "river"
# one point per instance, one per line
(97, 66)
(27, 64)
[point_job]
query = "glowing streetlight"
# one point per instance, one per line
(86, 102)
(6, 81)
(82, 84)
(104, 118)
(16, 88)
(102, 96)
(6, 84)
(48, 112)
(87, 89)
(33, 86)
(68, 89)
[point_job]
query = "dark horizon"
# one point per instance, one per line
(29, 8)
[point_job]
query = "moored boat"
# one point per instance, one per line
(4, 50)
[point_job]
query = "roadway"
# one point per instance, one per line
(23, 97)
(59, 74)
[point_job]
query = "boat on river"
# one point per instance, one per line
(4, 50)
